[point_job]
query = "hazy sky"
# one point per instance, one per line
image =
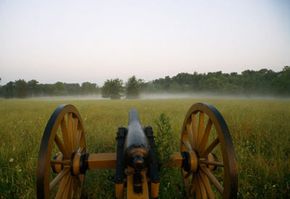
(76, 41)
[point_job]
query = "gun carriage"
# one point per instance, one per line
(206, 157)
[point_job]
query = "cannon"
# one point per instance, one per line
(206, 158)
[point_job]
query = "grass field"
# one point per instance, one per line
(260, 130)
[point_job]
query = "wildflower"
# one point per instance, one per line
(11, 160)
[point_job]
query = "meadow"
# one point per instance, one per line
(260, 129)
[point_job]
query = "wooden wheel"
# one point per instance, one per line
(210, 169)
(62, 146)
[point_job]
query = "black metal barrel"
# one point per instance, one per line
(136, 145)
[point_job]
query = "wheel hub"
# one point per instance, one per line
(190, 161)
(77, 164)
(56, 165)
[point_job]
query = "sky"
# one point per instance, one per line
(90, 40)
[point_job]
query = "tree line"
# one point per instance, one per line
(22, 89)
(248, 82)
(112, 88)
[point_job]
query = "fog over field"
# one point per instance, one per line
(206, 95)
(162, 96)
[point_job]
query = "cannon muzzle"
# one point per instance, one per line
(136, 145)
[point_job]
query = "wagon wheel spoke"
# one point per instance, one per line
(207, 186)
(64, 188)
(70, 131)
(201, 187)
(205, 136)
(210, 147)
(58, 178)
(213, 179)
(63, 162)
(190, 135)
(73, 132)
(60, 145)
(65, 135)
(197, 191)
(187, 145)
(192, 185)
(68, 190)
(76, 133)
(194, 129)
(200, 129)
(82, 143)
(81, 140)
(79, 137)
(208, 162)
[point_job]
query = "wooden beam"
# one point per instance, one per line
(175, 160)
(102, 161)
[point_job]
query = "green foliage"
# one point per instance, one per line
(164, 138)
(249, 82)
(8, 90)
(89, 88)
(32, 88)
(21, 88)
(170, 185)
(112, 88)
(133, 87)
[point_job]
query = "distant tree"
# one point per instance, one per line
(163, 84)
(112, 88)
(21, 88)
(89, 88)
(281, 83)
(133, 87)
(59, 88)
(8, 90)
(32, 87)
(72, 89)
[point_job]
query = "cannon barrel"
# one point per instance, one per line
(136, 145)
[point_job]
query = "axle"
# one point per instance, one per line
(92, 161)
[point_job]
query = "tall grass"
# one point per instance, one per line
(260, 130)
(167, 144)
